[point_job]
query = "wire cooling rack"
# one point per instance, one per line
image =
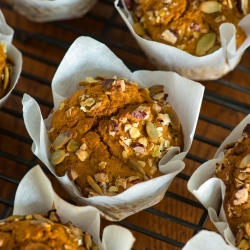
(167, 225)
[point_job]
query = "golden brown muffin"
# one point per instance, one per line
(43, 232)
(234, 171)
(5, 71)
(111, 135)
(190, 25)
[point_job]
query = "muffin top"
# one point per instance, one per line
(111, 134)
(6, 70)
(42, 231)
(190, 25)
(234, 171)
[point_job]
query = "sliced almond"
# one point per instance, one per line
(72, 174)
(94, 185)
(242, 6)
(62, 139)
(245, 162)
(136, 166)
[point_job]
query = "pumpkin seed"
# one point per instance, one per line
(239, 237)
(57, 156)
(243, 245)
(6, 77)
(139, 30)
(14, 218)
(136, 166)
(94, 185)
(152, 131)
(229, 145)
(156, 88)
(41, 218)
(87, 240)
(213, 49)
(205, 43)
(210, 7)
(62, 139)
(73, 146)
(245, 162)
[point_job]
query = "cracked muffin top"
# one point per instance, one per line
(111, 135)
(44, 232)
(190, 25)
(234, 171)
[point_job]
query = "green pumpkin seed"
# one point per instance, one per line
(229, 145)
(6, 77)
(73, 146)
(156, 88)
(213, 49)
(94, 185)
(87, 240)
(57, 156)
(136, 166)
(245, 162)
(62, 139)
(41, 218)
(210, 7)
(139, 30)
(174, 119)
(205, 43)
(14, 218)
(152, 131)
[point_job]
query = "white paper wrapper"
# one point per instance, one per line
(211, 191)
(207, 240)
(208, 67)
(87, 57)
(51, 10)
(6, 35)
(36, 195)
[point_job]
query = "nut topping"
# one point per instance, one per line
(169, 36)
(152, 131)
(57, 156)
(241, 196)
(205, 43)
(245, 162)
(62, 139)
(210, 7)
(72, 174)
(94, 185)
(73, 146)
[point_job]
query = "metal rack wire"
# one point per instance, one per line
(108, 29)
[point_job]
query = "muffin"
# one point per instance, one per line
(51, 10)
(111, 135)
(6, 70)
(42, 231)
(192, 26)
(234, 171)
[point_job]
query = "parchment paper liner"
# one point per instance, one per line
(208, 67)
(207, 240)
(211, 191)
(6, 36)
(35, 194)
(87, 57)
(47, 10)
